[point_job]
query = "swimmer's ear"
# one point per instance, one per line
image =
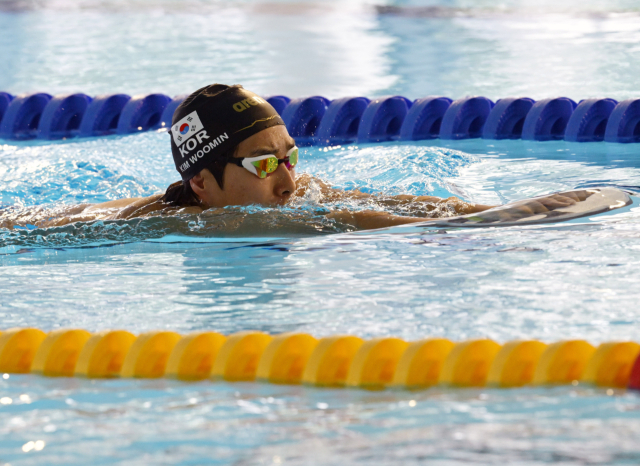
(197, 186)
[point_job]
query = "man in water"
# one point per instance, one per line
(231, 148)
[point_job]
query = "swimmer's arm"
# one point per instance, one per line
(111, 210)
(129, 208)
(138, 207)
(117, 204)
(42, 217)
(332, 194)
(542, 205)
(459, 206)
(371, 220)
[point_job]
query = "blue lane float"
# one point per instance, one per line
(302, 118)
(624, 122)
(167, 113)
(465, 118)
(506, 119)
(383, 118)
(142, 113)
(319, 121)
(341, 121)
(21, 119)
(588, 121)
(424, 119)
(279, 102)
(547, 119)
(102, 115)
(62, 116)
(5, 100)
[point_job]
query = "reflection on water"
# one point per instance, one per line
(549, 282)
(546, 282)
(177, 47)
(164, 422)
(532, 48)
(244, 286)
(572, 51)
(195, 272)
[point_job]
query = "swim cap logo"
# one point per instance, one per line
(186, 128)
(246, 103)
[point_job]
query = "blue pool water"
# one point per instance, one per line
(550, 282)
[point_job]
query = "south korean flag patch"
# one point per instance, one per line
(186, 127)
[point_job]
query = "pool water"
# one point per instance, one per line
(548, 282)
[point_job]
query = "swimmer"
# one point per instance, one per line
(231, 148)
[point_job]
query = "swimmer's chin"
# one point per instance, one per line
(270, 204)
(282, 202)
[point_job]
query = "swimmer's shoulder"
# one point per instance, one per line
(125, 208)
(120, 209)
(141, 207)
(118, 203)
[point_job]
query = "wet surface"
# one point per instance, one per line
(549, 282)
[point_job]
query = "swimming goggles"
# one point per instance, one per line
(263, 165)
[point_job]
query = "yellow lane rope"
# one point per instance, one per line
(335, 361)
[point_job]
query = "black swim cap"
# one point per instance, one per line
(213, 120)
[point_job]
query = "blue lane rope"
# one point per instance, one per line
(318, 121)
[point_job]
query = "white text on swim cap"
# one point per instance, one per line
(192, 144)
(205, 149)
(185, 128)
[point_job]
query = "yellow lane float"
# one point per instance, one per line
(58, 353)
(193, 356)
(148, 356)
(468, 363)
(515, 363)
(328, 365)
(238, 358)
(335, 361)
(103, 354)
(18, 347)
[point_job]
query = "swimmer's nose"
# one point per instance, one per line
(285, 183)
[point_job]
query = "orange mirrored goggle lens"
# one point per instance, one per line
(266, 166)
(270, 164)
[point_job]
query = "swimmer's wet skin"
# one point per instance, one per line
(124, 209)
(231, 148)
